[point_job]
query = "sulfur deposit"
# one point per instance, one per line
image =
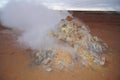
(86, 48)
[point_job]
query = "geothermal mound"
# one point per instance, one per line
(75, 46)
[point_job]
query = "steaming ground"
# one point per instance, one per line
(33, 20)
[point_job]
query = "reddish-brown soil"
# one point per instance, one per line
(14, 61)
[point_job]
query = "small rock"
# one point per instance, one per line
(38, 54)
(47, 61)
(102, 62)
(49, 69)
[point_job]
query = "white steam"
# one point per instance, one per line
(35, 21)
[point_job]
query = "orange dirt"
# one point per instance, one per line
(14, 61)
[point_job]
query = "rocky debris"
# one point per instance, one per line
(100, 61)
(63, 58)
(57, 58)
(89, 49)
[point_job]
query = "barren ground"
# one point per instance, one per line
(14, 61)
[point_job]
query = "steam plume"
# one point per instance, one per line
(35, 21)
